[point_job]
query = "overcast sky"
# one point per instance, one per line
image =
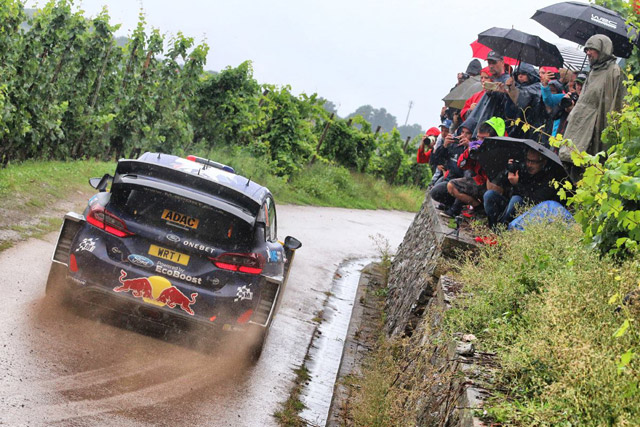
(352, 52)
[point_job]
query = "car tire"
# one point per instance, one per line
(56, 286)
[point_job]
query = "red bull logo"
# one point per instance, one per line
(156, 290)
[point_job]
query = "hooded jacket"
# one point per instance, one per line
(602, 92)
(528, 100)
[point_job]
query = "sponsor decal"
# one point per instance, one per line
(199, 246)
(173, 238)
(214, 281)
(140, 260)
(156, 290)
(168, 254)
(604, 21)
(243, 293)
(88, 245)
(181, 219)
(176, 272)
(274, 256)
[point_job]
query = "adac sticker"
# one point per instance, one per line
(243, 293)
(87, 244)
(180, 219)
(156, 290)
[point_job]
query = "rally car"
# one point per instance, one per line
(177, 242)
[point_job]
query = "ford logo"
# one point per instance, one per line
(140, 260)
(173, 238)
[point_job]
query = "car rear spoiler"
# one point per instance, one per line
(191, 182)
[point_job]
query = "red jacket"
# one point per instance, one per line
(464, 162)
(472, 100)
(422, 156)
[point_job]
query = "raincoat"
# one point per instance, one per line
(602, 92)
(528, 100)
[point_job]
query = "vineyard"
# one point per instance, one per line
(68, 90)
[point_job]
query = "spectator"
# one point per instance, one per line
(429, 138)
(524, 101)
(447, 161)
(602, 92)
(444, 131)
(493, 101)
(470, 189)
(472, 102)
(518, 185)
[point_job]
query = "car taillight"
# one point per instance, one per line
(101, 218)
(245, 263)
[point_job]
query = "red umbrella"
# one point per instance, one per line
(481, 51)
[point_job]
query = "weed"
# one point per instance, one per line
(289, 413)
(384, 251)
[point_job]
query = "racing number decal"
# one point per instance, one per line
(178, 218)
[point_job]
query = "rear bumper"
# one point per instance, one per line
(95, 278)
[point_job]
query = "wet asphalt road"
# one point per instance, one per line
(58, 368)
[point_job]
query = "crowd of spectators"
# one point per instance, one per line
(523, 102)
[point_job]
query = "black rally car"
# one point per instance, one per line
(178, 242)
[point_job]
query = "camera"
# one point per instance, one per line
(456, 139)
(571, 100)
(516, 166)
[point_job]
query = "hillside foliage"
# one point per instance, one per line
(69, 89)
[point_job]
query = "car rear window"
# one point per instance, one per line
(170, 212)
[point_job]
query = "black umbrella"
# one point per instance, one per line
(578, 21)
(494, 154)
(522, 46)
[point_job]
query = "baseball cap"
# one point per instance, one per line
(497, 124)
(446, 123)
(581, 77)
(432, 132)
(494, 56)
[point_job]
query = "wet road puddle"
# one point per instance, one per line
(325, 353)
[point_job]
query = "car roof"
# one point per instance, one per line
(214, 181)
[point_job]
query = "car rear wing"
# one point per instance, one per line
(163, 176)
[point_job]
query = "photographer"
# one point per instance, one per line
(469, 190)
(447, 161)
(521, 183)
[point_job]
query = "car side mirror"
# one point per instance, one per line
(100, 184)
(292, 243)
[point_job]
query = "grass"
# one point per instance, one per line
(547, 304)
(288, 414)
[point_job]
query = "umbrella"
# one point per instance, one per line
(494, 154)
(574, 58)
(480, 51)
(459, 94)
(525, 47)
(578, 21)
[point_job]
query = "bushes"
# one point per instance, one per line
(542, 300)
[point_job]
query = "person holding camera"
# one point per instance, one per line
(469, 189)
(493, 101)
(520, 184)
(524, 101)
(447, 161)
(428, 139)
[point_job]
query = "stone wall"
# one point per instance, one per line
(445, 376)
(417, 266)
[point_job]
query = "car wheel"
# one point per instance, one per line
(57, 282)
